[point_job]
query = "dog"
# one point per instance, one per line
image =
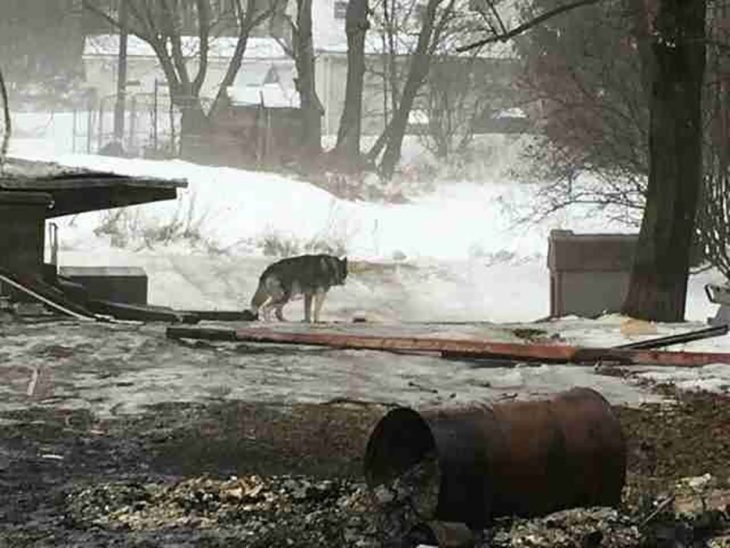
(308, 275)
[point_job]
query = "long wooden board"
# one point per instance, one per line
(458, 348)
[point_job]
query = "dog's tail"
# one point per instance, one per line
(259, 298)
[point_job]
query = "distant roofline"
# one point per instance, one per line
(268, 48)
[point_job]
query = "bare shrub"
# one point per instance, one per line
(128, 228)
(332, 239)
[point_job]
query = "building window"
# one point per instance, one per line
(340, 9)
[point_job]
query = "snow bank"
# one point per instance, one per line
(471, 259)
(234, 208)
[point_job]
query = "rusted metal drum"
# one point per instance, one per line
(522, 458)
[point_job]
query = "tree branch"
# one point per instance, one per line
(247, 22)
(8, 126)
(174, 34)
(494, 10)
(527, 25)
(204, 18)
(89, 6)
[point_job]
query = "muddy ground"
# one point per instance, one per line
(277, 475)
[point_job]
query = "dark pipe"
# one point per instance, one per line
(523, 458)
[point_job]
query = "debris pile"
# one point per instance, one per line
(303, 511)
(577, 527)
(279, 510)
(408, 500)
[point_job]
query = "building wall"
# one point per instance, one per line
(22, 225)
(331, 75)
(101, 74)
(222, 10)
(492, 77)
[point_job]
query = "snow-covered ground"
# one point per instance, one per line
(456, 253)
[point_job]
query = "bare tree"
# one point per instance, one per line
(675, 71)
(41, 45)
(7, 130)
(658, 286)
(434, 20)
(585, 73)
(713, 216)
(299, 45)
(462, 92)
(160, 24)
(348, 134)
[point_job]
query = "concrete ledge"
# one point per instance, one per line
(121, 284)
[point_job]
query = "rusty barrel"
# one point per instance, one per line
(523, 458)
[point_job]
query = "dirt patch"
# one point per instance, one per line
(49, 458)
(667, 442)
(66, 474)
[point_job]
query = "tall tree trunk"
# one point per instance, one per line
(658, 285)
(120, 106)
(311, 108)
(348, 134)
(194, 122)
(641, 31)
(7, 129)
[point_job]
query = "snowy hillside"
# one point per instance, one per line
(456, 253)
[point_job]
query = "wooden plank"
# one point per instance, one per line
(460, 348)
(223, 315)
(47, 295)
(203, 333)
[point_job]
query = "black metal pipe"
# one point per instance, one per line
(698, 334)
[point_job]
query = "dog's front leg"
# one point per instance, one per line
(308, 308)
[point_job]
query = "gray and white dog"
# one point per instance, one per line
(308, 275)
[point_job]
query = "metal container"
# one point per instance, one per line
(522, 458)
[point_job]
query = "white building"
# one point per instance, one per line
(267, 73)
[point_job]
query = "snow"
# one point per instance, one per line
(459, 221)
(710, 378)
(453, 254)
(111, 370)
(257, 47)
(268, 95)
(466, 257)
(334, 40)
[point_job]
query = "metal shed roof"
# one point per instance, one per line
(76, 190)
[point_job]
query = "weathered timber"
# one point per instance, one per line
(458, 348)
(699, 334)
(46, 294)
(139, 312)
(223, 315)
(204, 333)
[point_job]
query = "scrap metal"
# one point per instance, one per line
(525, 458)
(699, 334)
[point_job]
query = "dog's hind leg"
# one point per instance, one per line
(279, 311)
(318, 302)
